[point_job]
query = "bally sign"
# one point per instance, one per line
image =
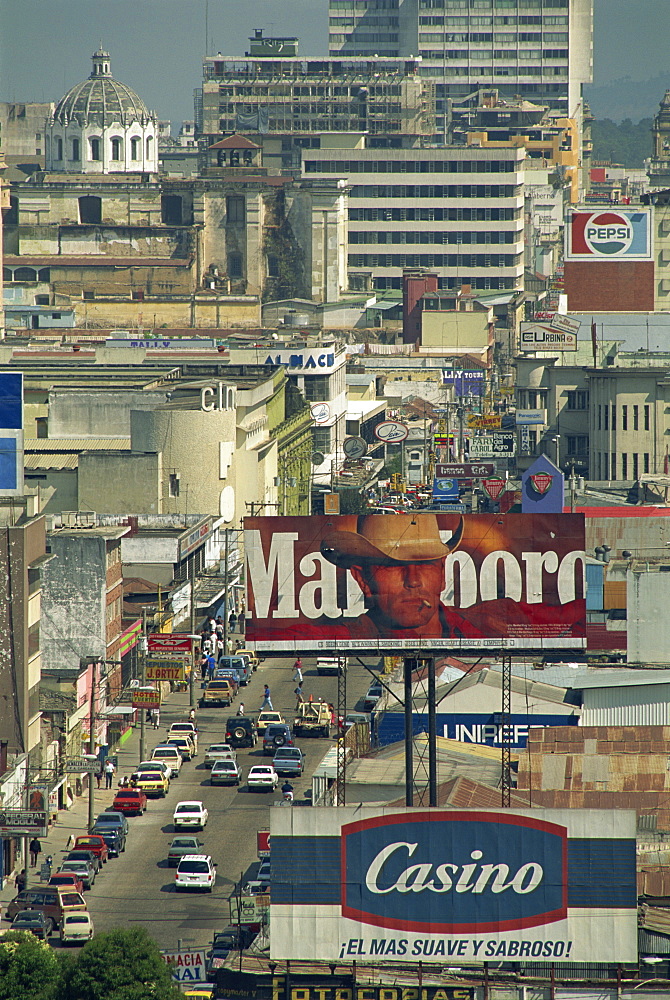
(552, 884)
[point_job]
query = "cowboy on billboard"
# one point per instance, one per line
(414, 577)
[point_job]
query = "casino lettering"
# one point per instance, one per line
(473, 878)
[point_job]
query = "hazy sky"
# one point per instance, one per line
(157, 45)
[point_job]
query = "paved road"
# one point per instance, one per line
(138, 887)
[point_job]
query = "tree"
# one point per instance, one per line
(121, 965)
(28, 968)
(352, 502)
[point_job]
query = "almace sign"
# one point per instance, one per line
(316, 361)
(472, 884)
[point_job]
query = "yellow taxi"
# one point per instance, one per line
(154, 784)
(251, 657)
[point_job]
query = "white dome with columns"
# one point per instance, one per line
(102, 127)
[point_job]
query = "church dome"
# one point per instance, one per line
(101, 100)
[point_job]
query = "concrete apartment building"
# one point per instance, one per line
(458, 212)
(541, 49)
(273, 90)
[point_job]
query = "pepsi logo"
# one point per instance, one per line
(447, 872)
(608, 233)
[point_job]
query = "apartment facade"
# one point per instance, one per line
(542, 49)
(458, 212)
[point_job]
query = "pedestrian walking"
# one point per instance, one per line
(232, 621)
(299, 696)
(267, 700)
(208, 645)
(21, 880)
(191, 715)
(35, 849)
(98, 778)
(211, 667)
(297, 670)
(109, 770)
(156, 718)
(240, 708)
(203, 667)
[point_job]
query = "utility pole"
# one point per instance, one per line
(191, 680)
(225, 591)
(91, 750)
(143, 680)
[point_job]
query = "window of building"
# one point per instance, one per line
(88, 295)
(578, 400)
(636, 421)
(578, 444)
(646, 418)
(94, 148)
(645, 463)
(116, 148)
(34, 639)
(90, 209)
(600, 417)
(135, 148)
(613, 417)
(613, 464)
(173, 484)
(636, 470)
(321, 438)
(273, 266)
(607, 416)
(137, 295)
(624, 419)
(58, 148)
(235, 210)
(149, 145)
(605, 465)
(25, 274)
(624, 465)
(317, 389)
(75, 149)
(171, 210)
(235, 265)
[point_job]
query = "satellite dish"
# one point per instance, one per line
(318, 458)
(134, 683)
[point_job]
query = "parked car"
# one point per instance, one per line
(195, 871)
(151, 765)
(188, 728)
(76, 928)
(266, 718)
(170, 755)
(111, 817)
(54, 901)
(289, 761)
(81, 854)
(277, 735)
(67, 880)
(241, 732)
(219, 692)
(130, 801)
(82, 868)
(190, 814)
(263, 777)
(218, 751)
(113, 836)
(95, 843)
(263, 873)
(34, 922)
(330, 665)
(231, 939)
(154, 784)
(225, 772)
(372, 696)
(184, 745)
(180, 847)
(254, 659)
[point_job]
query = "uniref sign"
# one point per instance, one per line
(436, 885)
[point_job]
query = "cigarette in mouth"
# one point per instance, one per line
(426, 603)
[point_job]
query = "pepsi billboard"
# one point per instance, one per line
(371, 883)
(608, 234)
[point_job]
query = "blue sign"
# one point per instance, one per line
(445, 488)
(453, 873)
(11, 433)
(465, 382)
(542, 488)
(482, 728)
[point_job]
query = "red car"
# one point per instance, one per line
(68, 880)
(130, 801)
(95, 844)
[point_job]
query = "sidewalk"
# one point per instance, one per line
(73, 822)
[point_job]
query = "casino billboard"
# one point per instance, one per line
(608, 234)
(468, 886)
(427, 581)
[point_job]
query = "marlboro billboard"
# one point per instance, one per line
(415, 581)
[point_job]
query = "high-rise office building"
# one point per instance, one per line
(540, 49)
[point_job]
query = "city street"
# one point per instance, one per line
(138, 887)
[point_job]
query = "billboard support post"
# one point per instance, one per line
(432, 735)
(341, 778)
(505, 730)
(409, 761)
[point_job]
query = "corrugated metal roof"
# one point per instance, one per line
(76, 444)
(55, 461)
(608, 678)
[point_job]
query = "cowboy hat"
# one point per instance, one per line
(405, 538)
